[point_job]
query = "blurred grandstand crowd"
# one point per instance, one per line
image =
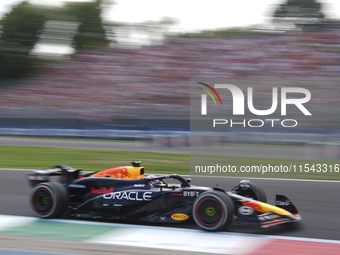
(155, 80)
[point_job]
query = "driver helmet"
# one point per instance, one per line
(154, 182)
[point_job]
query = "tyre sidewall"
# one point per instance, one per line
(227, 210)
(59, 197)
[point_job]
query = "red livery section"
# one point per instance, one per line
(101, 190)
(293, 247)
(115, 172)
(122, 172)
(256, 206)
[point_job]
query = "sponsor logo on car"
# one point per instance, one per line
(139, 185)
(244, 185)
(179, 216)
(38, 178)
(283, 203)
(101, 190)
(190, 193)
(130, 196)
(245, 210)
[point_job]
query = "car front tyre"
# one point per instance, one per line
(213, 210)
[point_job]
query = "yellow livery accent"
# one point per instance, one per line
(179, 216)
(263, 208)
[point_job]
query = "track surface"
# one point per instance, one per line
(317, 202)
(24, 245)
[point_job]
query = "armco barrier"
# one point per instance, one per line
(158, 136)
(88, 132)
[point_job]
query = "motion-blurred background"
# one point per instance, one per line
(122, 69)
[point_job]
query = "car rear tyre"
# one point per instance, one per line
(213, 210)
(251, 190)
(48, 200)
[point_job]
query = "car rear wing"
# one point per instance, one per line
(67, 174)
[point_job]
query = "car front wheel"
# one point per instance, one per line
(213, 210)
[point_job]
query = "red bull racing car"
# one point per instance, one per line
(127, 193)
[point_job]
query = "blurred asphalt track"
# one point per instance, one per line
(251, 151)
(316, 201)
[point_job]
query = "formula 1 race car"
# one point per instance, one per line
(126, 193)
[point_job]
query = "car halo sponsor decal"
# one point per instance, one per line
(179, 216)
(139, 185)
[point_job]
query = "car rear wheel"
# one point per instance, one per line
(48, 200)
(213, 210)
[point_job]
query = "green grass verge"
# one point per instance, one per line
(72, 139)
(161, 163)
(90, 160)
